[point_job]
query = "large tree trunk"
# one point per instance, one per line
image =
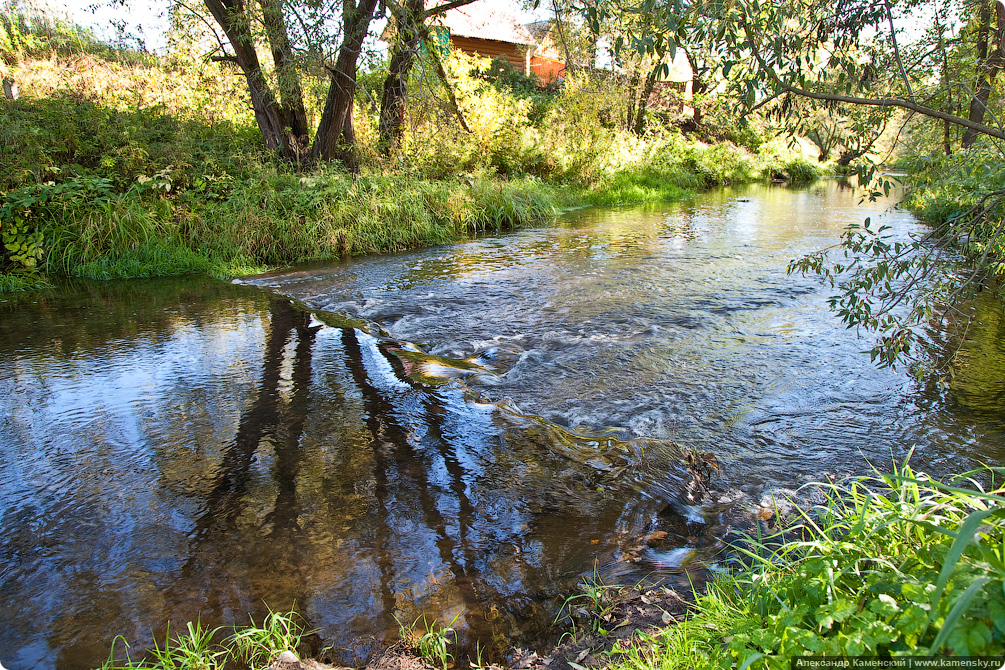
(393, 100)
(328, 143)
(269, 115)
(290, 92)
(989, 62)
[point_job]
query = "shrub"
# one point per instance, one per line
(893, 565)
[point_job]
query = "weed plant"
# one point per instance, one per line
(594, 605)
(891, 565)
(258, 646)
(433, 642)
(894, 565)
(193, 650)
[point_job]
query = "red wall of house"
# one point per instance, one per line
(547, 69)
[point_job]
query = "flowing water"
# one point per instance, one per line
(465, 431)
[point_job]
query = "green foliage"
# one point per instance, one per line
(433, 642)
(258, 646)
(255, 646)
(25, 34)
(507, 79)
(96, 181)
(895, 565)
(193, 650)
(22, 241)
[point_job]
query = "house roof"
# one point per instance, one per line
(485, 21)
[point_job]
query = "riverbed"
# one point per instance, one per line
(458, 432)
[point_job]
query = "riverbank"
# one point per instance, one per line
(885, 566)
(123, 165)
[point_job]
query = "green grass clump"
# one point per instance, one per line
(894, 565)
(193, 650)
(256, 647)
(431, 640)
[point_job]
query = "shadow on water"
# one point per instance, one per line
(214, 456)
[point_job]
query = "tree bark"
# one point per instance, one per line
(451, 97)
(232, 17)
(570, 66)
(395, 94)
(990, 59)
(633, 94)
(639, 126)
(978, 103)
(342, 91)
(290, 92)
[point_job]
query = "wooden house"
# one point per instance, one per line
(485, 29)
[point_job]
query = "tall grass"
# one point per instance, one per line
(891, 565)
(894, 565)
(117, 164)
(256, 647)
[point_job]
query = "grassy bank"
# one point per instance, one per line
(117, 164)
(897, 565)
(966, 190)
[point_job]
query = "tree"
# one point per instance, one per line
(282, 117)
(411, 30)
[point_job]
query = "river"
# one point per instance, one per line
(464, 431)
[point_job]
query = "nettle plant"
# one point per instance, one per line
(25, 212)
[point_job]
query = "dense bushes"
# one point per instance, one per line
(117, 164)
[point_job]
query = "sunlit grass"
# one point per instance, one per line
(890, 565)
(255, 647)
(131, 165)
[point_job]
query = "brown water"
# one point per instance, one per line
(183, 449)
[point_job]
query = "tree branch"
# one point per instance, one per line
(897, 102)
(896, 49)
(855, 100)
(446, 7)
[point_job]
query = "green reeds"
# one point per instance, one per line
(255, 647)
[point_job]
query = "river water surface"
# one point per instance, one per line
(464, 431)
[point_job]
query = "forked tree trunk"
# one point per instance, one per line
(271, 117)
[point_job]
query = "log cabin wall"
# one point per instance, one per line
(516, 54)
